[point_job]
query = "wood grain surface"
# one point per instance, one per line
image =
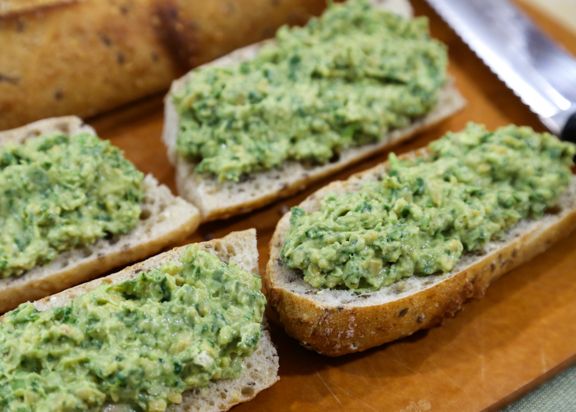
(520, 334)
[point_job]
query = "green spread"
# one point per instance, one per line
(343, 80)
(425, 212)
(140, 343)
(59, 192)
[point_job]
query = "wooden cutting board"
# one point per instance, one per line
(498, 348)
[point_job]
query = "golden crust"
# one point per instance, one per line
(136, 48)
(15, 8)
(336, 330)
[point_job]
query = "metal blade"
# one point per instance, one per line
(541, 73)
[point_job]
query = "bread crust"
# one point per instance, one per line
(10, 9)
(136, 48)
(219, 200)
(336, 329)
(169, 223)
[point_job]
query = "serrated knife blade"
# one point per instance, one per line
(539, 72)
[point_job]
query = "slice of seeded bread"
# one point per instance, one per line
(165, 220)
(222, 199)
(337, 322)
(260, 370)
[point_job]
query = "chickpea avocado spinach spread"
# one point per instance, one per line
(139, 344)
(59, 192)
(342, 81)
(425, 212)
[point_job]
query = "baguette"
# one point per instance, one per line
(128, 49)
(218, 200)
(338, 322)
(260, 370)
(166, 219)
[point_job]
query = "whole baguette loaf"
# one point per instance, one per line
(260, 370)
(86, 56)
(338, 322)
(217, 200)
(166, 219)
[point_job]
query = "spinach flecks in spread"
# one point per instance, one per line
(341, 81)
(425, 212)
(58, 192)
(139, 343)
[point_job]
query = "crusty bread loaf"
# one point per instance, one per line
(165, 220)
(260, 370)
(222, 199)
(86, 56)
(337, 322)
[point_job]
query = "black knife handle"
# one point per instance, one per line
(569, 130)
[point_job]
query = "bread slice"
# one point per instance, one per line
(337, 322)
(260, 370)
(222, 199)
(165, 220)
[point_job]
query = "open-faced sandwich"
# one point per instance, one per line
(72, 207)
(270, 118)
(401, 246)
(182, 331)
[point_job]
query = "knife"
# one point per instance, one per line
(539, 72)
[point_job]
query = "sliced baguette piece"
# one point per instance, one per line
(260, 370)
(338, 322)
(166, 219)
(218, 200)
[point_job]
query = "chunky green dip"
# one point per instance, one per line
(342, 81)
(425, 212)
(59, 192)
(140, 343)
